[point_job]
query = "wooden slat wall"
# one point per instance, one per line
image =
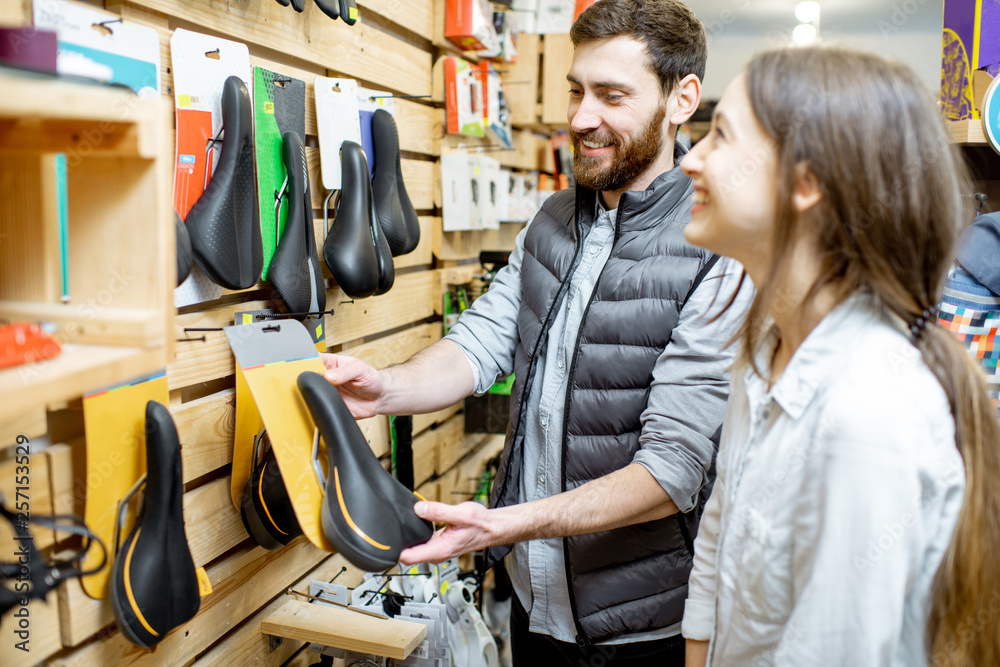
(393, 47)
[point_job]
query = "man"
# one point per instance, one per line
(612, 429)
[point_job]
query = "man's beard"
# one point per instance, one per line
(629, 159)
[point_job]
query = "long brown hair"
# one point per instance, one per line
(891, 209)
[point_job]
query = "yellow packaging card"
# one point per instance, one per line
(115, 429)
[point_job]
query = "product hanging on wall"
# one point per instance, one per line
(223, 223)
(295, 272)
(266, 511)
(184, 256)
(394, 211)
(367, 515)
(154, 584)
(350, 247)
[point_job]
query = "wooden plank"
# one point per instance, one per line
(460, 482)
(521, 79)
(15, 13)
(248, 646)
(456, 444)
(110, 326)
(419, 126)
(395, 348)
(425, 449)
(80, 616)
(41, 640)
(342, 628)
(360, 51)
(60, 458)
(211, 523)
(202, 361)
(430, 490)
(556, 61)
(30, 424)
(206, 426)
(419, 177)
(454, 246)
(242, 583)
(411, 298)
(967, 132)
(75, 371)
(417, 16)
(423, 422)
(423, 254)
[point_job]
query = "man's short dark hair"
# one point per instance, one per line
(674, 38)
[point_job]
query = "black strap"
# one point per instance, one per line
(701, 276)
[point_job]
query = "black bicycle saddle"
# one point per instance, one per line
(349, 248)
(184, 259)
(154, 586)
(295, 272)
(383, 255)
(331, 9)
(367, 515)
(265, 508)
(348, 11)
(396, 214)
(223, 223)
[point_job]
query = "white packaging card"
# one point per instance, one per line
(96, 44)
(338, 118)
(504, 186)
(456, 193)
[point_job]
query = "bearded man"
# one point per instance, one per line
(621, 371)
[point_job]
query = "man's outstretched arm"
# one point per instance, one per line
(624, 497)
(430, 380)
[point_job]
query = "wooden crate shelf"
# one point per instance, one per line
(115, 321)
(341, 628)
(968, 132)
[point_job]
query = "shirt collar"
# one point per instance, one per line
(816, 359)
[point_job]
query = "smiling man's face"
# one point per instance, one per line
(616, 116)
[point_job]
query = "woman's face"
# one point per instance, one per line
(734, 169)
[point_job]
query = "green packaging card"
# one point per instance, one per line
(279, 107)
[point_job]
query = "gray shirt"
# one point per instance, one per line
(689, 389)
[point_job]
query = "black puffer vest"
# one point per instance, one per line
(631, 579)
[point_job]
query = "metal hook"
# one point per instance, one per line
(310, 313)
(398, 97)
(123, 508)
(209, 147)
(273, 327)
(326, 209)
(278, 196)
(197, 339)
(317, 466)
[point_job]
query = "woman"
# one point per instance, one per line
(845, 527)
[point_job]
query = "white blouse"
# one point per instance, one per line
(836, 497)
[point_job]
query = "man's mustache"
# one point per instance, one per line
(595, 137)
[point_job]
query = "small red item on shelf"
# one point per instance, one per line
(25, 343)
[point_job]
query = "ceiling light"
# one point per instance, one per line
(804, 33)
(807, 12)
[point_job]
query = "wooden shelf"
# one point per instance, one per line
(967, 132)
(341, 628)
(117, 321)
(78, 369)
(45, 114)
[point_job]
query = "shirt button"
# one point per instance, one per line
(541, 479)
(593, 250)
(543, 421)
(559, 363)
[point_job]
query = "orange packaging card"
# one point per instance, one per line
(194, 160)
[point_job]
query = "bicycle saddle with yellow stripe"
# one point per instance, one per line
(366, 513)
(154, 586)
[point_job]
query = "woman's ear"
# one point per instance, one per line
(807, 192)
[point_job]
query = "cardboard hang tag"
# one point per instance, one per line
(270, 356)
(338, 120)
(201, 64)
